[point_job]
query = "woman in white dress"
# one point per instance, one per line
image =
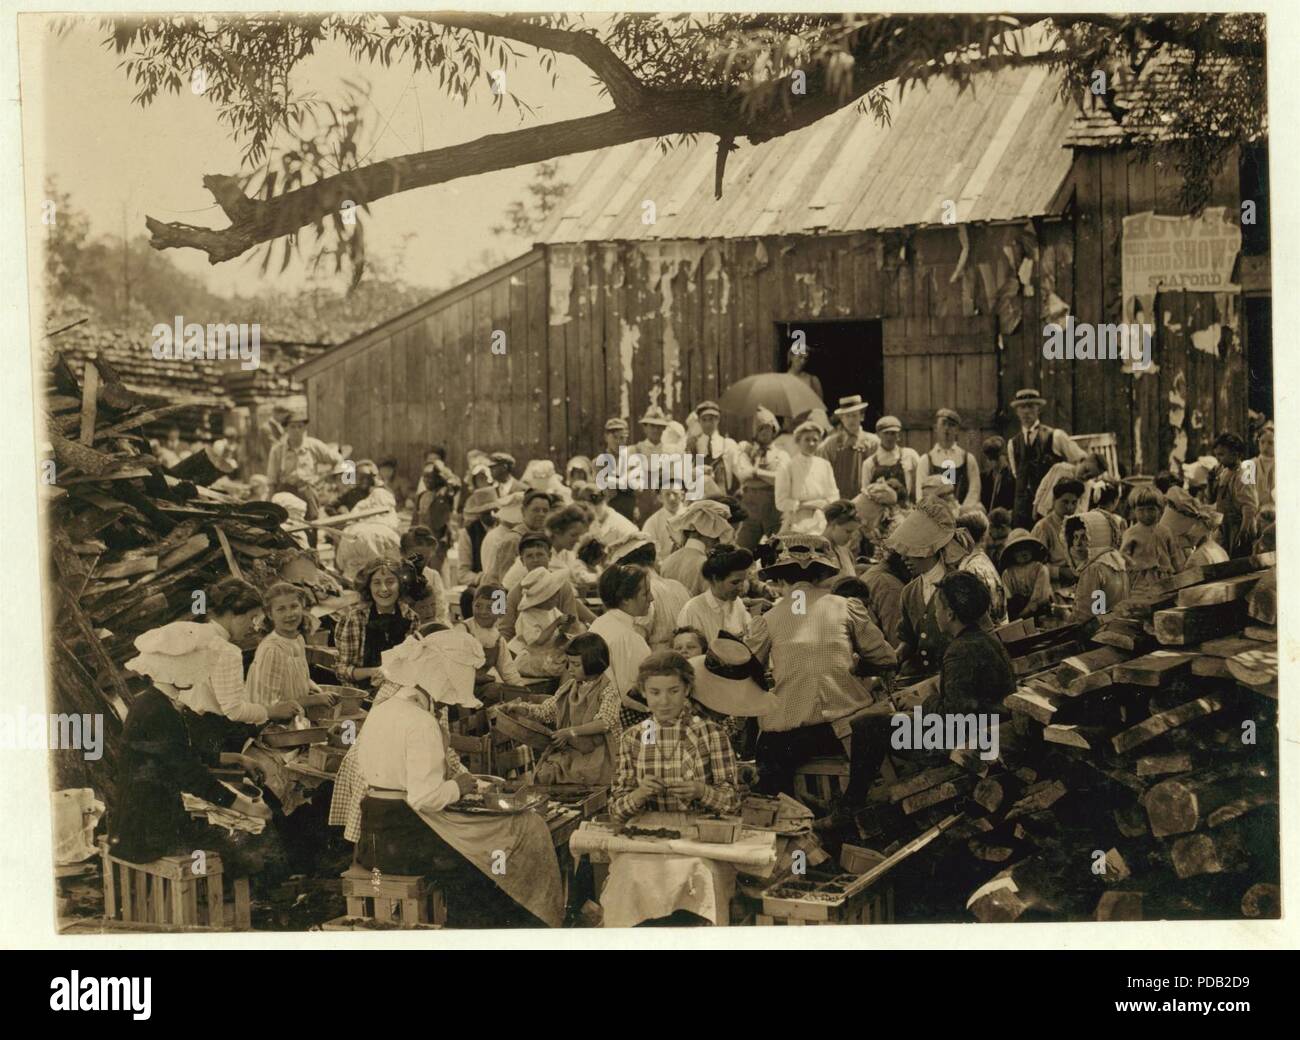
(805, 485)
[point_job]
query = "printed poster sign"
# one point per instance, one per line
(1180, 253)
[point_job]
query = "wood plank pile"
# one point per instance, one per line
(129, 546)
(1137, 775)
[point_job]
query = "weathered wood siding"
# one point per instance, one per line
(431, 377)
(599, 329)
(1109, 185)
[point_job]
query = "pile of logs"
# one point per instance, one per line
(129, 546)
(1138, 770)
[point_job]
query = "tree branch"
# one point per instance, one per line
(624, 88)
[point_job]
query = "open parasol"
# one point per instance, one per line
(778, 392)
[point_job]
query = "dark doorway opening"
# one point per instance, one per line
(847, 357)
(1259, 353)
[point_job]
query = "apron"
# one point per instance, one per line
(397, 839)
(590, 760)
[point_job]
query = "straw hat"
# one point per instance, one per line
(484, 500)
(806, 557)
(926, 530)
(539, 585)
(1028, 395)
(851, 403)
(729, 680)
(1021, 537)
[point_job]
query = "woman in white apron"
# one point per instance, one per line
(398, 784)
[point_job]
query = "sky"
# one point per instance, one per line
(120, 162)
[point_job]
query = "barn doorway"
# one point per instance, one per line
(846, 356)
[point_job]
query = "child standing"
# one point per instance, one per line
(1023, 562)
(1148, 550)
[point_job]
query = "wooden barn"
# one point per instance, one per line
(918, 260)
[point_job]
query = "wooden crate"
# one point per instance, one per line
(167, 894)
(513, 763)
(872, 905)
(475, 752)
(407, 900)
(822, 779)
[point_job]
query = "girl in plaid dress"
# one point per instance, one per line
(676, 760)
(279, 670)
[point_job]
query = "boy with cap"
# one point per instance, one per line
(717, 450)
(890, 461)
(1033, 451)
(950, 460)
(502, 464)
(756, 465)
(648, 459)
(621, 499)
(848, 447)
(293, 462)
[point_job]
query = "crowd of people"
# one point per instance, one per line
(818, 569)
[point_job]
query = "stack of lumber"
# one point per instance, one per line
(129, 546)
(1137, 775)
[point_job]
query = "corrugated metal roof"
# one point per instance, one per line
(996, 150)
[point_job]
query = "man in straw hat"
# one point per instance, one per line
(950, 460)
(698, 528)
(848, 447)
(890, 460)
(929, 542)
(1034, 450)
(821, 649)
(756, 465)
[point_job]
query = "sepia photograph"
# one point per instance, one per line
(606, 470)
